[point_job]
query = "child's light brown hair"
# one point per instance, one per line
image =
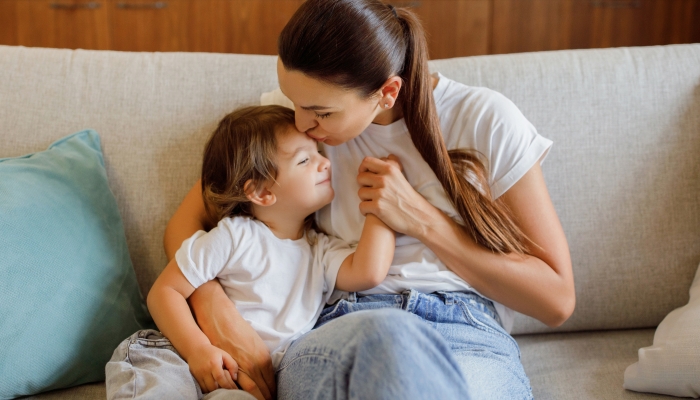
(243, 147)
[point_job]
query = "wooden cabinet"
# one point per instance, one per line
(636, 22)
(454, 27)
(535, 25)
(238, 26)
(57, 23)
(148, 25)
(8, 23)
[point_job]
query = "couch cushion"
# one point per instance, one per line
(68, 293)
(586, 365)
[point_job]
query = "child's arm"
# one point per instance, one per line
(167, 302)
(368, 265)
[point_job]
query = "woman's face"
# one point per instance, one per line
(326, 112)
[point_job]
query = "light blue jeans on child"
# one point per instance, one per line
(444, 345)
(146, 366)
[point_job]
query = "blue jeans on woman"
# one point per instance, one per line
(443, 345)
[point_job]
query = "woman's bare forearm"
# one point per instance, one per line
(215, 313)
(540, 284)
(189, 218)
(523, 283)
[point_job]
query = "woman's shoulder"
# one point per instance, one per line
(458, 100)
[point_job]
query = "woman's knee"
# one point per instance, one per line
(392, 327)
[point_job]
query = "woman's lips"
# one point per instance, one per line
(315, 138)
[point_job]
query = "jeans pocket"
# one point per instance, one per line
(329, 313)
(486, 323)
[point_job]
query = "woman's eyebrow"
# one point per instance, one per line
(315, 108)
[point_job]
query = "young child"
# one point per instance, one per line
(263, 180)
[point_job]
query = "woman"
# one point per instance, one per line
(478, 236)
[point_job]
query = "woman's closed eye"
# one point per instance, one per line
(326, 115)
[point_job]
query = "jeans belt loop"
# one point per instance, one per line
(449, 298)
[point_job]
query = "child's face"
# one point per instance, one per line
(304, 175)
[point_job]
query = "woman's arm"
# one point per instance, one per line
(368, 265)
(539, 285)
(168, 306)
(216, 315)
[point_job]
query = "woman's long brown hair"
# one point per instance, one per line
(359, 44)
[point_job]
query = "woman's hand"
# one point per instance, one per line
(386, 193)
(227, 330)
(213, 368)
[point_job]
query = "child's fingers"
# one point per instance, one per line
(231, 365)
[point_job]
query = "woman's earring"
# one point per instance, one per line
(386, 105)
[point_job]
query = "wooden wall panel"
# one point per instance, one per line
(8, 22)
(68, 24)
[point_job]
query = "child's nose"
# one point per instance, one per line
(324, 164)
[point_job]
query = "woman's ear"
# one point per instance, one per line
(259, 195)
(389, 92)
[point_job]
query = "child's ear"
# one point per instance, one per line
(261, 195)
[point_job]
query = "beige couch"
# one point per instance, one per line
(624, 172)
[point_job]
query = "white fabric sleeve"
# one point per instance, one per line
(275, 97)
(335, 251)
(505, 137)
(204, 255)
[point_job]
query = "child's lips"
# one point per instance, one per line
(327, 180)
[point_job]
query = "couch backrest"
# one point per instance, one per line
(624, 172)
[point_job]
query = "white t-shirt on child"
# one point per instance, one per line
(471, 117)
(278, 285)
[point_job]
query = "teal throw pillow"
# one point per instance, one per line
(68, 292)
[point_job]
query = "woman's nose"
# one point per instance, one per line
(304, 122)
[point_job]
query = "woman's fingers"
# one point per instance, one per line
(208, 384)
(370, 179)
(378, 166)
(368, 193)
(249, 386)
(268, 374)
(393, 160)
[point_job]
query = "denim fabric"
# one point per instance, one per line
(147, 366)
(444, 345)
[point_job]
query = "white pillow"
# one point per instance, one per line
(672, 364)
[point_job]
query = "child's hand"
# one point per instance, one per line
(213, 368)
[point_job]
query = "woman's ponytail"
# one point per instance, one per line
(460, 172)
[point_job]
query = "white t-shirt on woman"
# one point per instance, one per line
(473, 118)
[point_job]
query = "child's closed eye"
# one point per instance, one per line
(304, 161)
